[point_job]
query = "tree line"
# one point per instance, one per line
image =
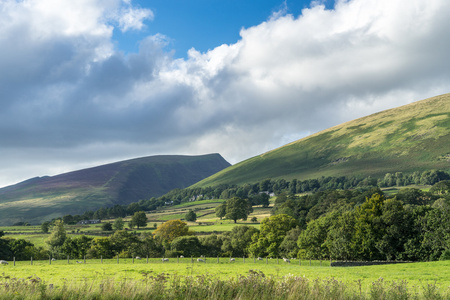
(358, 224)
(254, 192)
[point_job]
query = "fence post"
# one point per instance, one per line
(68, 259)
(299, 261)
(32, 260)
(147, 258)
(101, 258)
(133, 259)
(14, 259)
(49, 260)
(217, 259)
(117, 258)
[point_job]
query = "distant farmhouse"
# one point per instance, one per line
(85, 222)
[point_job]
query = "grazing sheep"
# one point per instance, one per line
(164, 259)
(232, 259)
(53, 259)
(287, 260)
(137, 257)
(200, 260)
(260, 258)
(3, 262)
(79, 262)
(181, 256)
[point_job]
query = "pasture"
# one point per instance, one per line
(417, 278)
(414, 273)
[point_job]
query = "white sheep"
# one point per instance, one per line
(181, 256)
(287, 260)
(232, 259)
(164, 259)
(137, 257)
(53, 259)
(79, 262)
(3, 262)
(260, 258)
(200, 260)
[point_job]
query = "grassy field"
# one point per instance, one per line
(415, 275)
(206, 223)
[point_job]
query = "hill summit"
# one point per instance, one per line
(414, 137)
(123, 182)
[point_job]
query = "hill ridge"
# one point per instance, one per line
(380, 143)
(121, 182)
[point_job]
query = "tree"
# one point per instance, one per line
(442, 187)
(118, 224)
(45, 226)
(123, 243)
(191, 216)
(133, 208)
(107, 226)
(172, 229)
(186, 245)
(21, 249)
(139, 219)
(369, 227)
(236, 241)
(5, 252)
(289, 247)
(312, 240)
(221, 210)
(273, 231)
(211, 244)
(101, 247)
(58, 236)
(148, 245)
(238, 208)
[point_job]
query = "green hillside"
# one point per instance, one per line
(414, 137)
(44, 198)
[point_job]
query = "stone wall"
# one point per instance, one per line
(365, 263)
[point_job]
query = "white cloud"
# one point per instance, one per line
(65, 89)
(131, 18)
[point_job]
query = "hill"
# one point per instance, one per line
(44, 198)
(414, 137)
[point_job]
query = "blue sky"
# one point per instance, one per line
(204, 24)
(89, 82)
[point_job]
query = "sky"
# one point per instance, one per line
(89, 82)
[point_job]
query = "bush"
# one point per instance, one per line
(445, 255)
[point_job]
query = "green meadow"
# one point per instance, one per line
(418, 278)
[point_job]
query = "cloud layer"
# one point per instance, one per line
(70, 99)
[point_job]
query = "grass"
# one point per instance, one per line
(419, 279)
(410, 138)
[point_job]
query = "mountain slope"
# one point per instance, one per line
(122, 182)
(414, 137)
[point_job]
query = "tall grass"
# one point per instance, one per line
(254, 285)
